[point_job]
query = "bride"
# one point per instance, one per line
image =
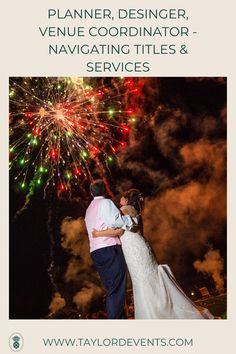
(157, 295)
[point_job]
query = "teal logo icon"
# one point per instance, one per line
(16, 342)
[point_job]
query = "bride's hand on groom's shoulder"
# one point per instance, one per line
(125, 211)
(129, 210)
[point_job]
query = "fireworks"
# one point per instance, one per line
(60, 128)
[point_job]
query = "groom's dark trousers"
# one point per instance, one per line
(111, 266)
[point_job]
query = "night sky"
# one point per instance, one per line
(176, 155)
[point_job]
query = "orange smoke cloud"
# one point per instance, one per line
(184, 219)
(80, 278)
(57, 303)
(84, 297)
(213, 264)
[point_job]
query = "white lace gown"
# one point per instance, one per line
(156, 293)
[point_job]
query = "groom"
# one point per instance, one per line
(106, 252)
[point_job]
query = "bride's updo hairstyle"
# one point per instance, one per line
(135, 198)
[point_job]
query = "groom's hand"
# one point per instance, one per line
(119, 232)
(95, 233)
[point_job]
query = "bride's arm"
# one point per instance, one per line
(107, 233)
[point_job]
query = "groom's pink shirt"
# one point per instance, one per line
(101, 215)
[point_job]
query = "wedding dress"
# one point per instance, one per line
(157, 295)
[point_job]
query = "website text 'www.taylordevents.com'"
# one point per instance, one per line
(117, 342)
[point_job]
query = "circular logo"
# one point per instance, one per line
(16, 342)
